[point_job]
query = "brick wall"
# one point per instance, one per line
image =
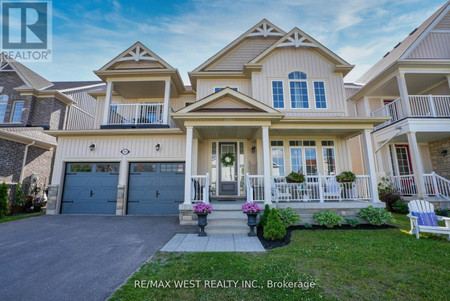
(11, 154)
(47, 112)
(440, 163)
(9, 81)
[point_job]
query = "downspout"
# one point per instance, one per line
(25, 160)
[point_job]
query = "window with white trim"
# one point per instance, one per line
(303, 156)
(217, 89)
(277, 94)
(277, 158)
(329, 160)
(298, 87)
(3, 104)
(16, 115)
(319, 95)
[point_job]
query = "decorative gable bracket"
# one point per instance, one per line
(265, 30)
(4, 64)
(137, 54)
(296, 40)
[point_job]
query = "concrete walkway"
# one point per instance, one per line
(213, 243)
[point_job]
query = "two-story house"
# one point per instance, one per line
(269, 103)
(411, 86)
(29, 105)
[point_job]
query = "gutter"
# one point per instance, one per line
(25, 161)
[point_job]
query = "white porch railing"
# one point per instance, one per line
(437, 185)
(317, 188)
(78, 119)
(421, 106)
(405, 185)
(255, 188)
(200, 189)
(137, 113)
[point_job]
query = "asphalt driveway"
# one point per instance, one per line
(77, 257)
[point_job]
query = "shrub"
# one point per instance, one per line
(442, 212)
(387, 193)
(400, 207)
(307, 225)
(264, 216)
(288, 217)
(274, 230)
(19, 198)
(328, 218)
(3, 199)
(376, 216)
(353, 222)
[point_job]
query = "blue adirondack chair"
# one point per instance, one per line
(423, 219)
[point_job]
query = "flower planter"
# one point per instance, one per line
(252, 222)
(202, 222)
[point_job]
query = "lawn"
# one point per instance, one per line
(19, 216)
(347, 265)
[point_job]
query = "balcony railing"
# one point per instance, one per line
(420, 105)
(137, 113)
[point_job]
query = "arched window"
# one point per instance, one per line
(298, 87)
(3, 104)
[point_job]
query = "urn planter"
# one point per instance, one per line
(252, 222)
(202, 222)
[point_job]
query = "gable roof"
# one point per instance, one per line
(401, 50)
(298, 38)
(263, 28)
(136, 52)
(30, 78)
(247, 100)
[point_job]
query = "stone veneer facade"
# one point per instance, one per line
(440, 163)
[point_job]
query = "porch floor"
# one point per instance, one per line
(213, 243)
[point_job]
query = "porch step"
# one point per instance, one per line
(227, 229)
(227, 214)
(227, 221)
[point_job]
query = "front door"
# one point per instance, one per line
(228, 173)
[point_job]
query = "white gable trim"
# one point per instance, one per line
(296, 41)
(265, 30)
(137, 55)
(425, 33)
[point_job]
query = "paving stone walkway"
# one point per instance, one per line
(213, 243)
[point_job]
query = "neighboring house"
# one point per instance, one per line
(29, 105)
(269, 103)
(411, 86)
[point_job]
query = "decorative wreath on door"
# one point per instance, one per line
(227, 159)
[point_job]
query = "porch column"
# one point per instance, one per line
(448, 79)
(109, 91)
(188, 168)
(370, 165)
(401, 81)
(366, 106)
(266, 165)
(166, 102)
(121, 187)
(194, 160)
(416, 161)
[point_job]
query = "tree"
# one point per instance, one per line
(274, 230)
(3, 199)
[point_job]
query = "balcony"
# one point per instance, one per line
(419, 106)
(136, 115)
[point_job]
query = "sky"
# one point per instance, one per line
(89, 33)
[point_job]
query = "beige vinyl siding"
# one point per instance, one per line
(375, 104)
(108, 149)
(435, 45)
(283, 61)
(360, 111)
(206, 87)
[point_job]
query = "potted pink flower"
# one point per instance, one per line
(252, 210)
(202, 210)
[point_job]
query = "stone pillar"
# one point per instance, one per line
(266, 165)
(52, 199)
(417, 165)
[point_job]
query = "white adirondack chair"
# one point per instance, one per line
(423, 219)
(280, 191)
(333, 189)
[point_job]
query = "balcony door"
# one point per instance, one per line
(228, 172)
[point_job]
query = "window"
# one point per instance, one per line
(299, 90)
(311, 161)
(277, 94)
(80, 167)
(296, 143)
(143, 167)
(296, 159)
(329, 162)
(3, 105)
(221, 88)
(16, 115)
(276, 143)
(172, 167)
(114, 167)
(319, 93)
(278, 161)
(404, 167)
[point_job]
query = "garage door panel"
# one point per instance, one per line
(157, 189)
(92, 189)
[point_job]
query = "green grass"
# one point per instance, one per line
(347, 265)
(19, 216)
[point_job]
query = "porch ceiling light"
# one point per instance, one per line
(158, 146)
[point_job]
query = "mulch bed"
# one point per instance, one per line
(272, 244)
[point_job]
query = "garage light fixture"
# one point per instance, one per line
(92, 146)
(158, 146)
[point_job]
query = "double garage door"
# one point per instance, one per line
(153, 188)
